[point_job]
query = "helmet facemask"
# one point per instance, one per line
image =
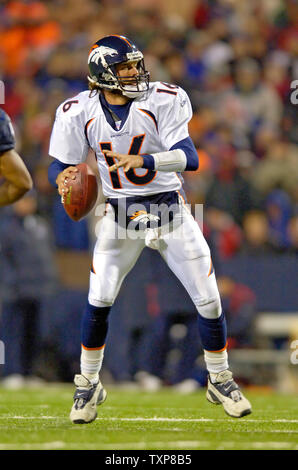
(129, 86)
(133, 86)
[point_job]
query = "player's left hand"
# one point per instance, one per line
(124, 160)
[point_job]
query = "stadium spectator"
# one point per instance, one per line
(228, 190)
(195, 47)
(251, 102)
(28, 279)
(239, 304)
(293, 234)
(256, 234)
(278, 168)
(276, 72)
(278, 207)
(223, 234)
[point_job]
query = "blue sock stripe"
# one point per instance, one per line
(94, 326)
(213, 332)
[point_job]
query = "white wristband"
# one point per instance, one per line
(172, 160)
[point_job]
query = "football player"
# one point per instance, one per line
(17, 180)
(138, 131)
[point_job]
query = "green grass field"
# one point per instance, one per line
(135, 420)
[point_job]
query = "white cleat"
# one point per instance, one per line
(87, 396)
(227, 393)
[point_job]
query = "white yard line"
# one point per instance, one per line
(161, 419)
(202, 420)
(31, 445)
(200, 444)
(188, 445)
(164, 445)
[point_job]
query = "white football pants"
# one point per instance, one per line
(182, 246)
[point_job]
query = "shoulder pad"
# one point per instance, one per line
(74, 106)
(165, 92)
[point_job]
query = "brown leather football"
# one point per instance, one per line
(82, 194)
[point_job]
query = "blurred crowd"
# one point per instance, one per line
(236, 59)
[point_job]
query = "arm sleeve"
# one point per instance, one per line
(54, 169)
(188, 160)
(192, 159)
(7, 139)
(68, 142)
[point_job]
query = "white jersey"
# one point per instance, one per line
(156, 121)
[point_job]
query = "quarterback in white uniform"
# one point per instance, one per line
(139, 133)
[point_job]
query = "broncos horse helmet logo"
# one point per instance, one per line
(100, 52)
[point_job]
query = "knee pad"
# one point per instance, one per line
(99, 303)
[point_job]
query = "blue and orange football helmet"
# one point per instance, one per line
(105, 54)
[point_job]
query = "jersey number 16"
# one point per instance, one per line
(135, 147)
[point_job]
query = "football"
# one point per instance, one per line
(82, 194)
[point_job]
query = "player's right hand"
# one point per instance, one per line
(62, 178)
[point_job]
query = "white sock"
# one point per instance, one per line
(91, 362)
(216, 362)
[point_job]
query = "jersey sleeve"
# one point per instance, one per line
(7, 139)
(68, 142)
(174, 116)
